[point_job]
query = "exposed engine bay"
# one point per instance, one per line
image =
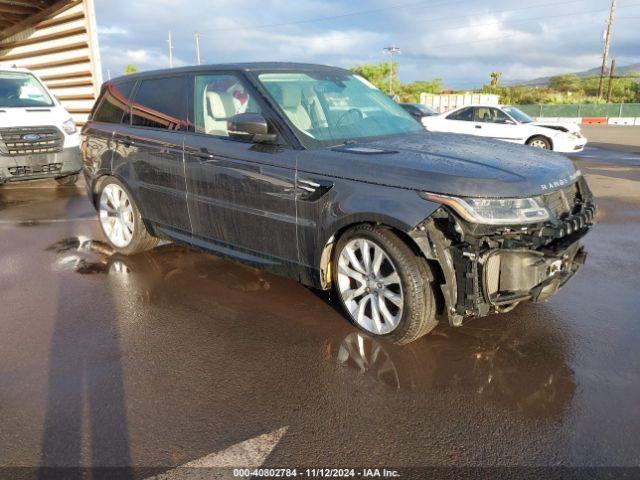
(491, 268)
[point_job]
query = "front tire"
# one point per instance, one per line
(383, 285)
(68, 181)
(539, 142)
(120, 219)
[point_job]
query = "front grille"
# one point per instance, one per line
(22, 170)
(562, 202)
(30, 140)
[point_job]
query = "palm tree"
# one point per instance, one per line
(495, 78)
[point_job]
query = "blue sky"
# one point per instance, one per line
(460, 41)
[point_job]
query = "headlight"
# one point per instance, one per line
(69, 127)
(494, 211)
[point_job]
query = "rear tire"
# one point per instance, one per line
(120, 219)
(539, 142)
(68, 181)
(386, 292)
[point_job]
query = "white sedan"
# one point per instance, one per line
(509, 124)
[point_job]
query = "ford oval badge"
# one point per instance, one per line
(31, 137)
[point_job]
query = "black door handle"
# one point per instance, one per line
(478, 126)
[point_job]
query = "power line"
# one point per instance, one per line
(335, 17)
(515, 34)
(391, 7)
(524, 20)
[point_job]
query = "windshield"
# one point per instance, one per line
(424, 109)
(518, 115)
(22, 90)
(332, 108)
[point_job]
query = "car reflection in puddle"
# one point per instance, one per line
(87, 256)
(516, 364)
(496, 364)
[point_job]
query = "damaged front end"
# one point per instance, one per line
(489, 268)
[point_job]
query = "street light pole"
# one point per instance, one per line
(392, 50)
(170, 41)
(197, 48)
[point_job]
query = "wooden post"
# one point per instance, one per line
(611, 74)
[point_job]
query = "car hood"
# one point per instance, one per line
(561, 126)
(446, 163)
(33, 117)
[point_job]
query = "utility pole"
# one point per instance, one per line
(170, 41)
(392, 50)
(607, 43)
(197, 35)
(611, 74)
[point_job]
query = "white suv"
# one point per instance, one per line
(38, 138)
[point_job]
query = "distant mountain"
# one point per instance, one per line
(544, 81)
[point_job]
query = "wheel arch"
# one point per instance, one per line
(328, 247)
(547, 138)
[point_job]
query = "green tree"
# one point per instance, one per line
(565, 83)
(410, 92)
(378, 74)
(131, 68)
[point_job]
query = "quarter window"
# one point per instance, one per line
(161, 103)
(218, 98)
(113, 104)
(466, 114)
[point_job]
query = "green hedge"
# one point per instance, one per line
(583, 110)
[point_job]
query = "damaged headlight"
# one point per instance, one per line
(494, 211)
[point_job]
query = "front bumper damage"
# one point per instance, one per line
(489, 269)
(67, 161)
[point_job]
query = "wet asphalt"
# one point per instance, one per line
(161, 358)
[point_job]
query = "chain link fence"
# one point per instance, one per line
(609, 110)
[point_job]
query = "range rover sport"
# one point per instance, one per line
(311, 172)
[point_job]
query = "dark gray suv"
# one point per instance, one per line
(311, 172)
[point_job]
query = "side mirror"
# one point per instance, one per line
(509, 122)
(251, 127)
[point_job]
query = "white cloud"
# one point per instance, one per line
(111, 30)
(459, 41)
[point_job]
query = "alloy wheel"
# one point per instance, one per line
(369, 286)
(538, 143)
(116, 215)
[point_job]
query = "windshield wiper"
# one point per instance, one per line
(345, 143)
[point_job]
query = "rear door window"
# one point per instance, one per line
(161, 103)
(114, 102)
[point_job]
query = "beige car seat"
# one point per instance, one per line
(218, 107)
(292, 106)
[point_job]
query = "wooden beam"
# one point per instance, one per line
(44, 38)
(46, 51)
(57, 63)
(79, 110)
(71, 84)
(22, 3)
(63, 76)
(18, 9)
(54, 9)
(52, 22)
